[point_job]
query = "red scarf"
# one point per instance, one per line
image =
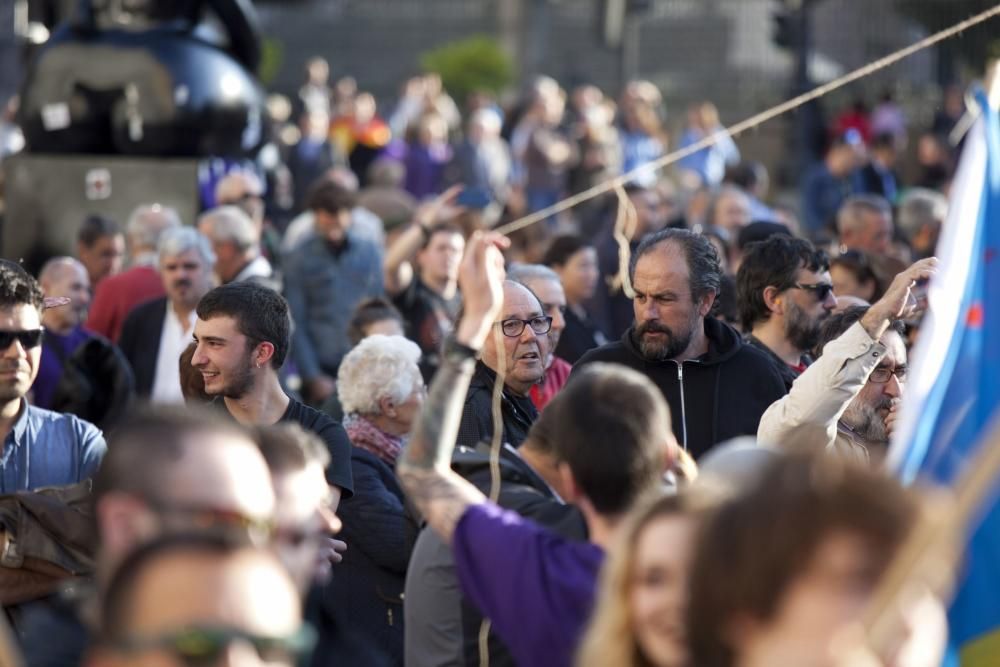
(370, 438)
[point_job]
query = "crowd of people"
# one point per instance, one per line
(337, 420)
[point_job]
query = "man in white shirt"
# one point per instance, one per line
(157, 332)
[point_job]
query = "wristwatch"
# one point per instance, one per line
(455, 352)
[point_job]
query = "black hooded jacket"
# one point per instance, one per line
(720, 395)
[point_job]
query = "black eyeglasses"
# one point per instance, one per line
(513, 328)
(821, 290)
(203, 646)
(28, 339)
(882, 374)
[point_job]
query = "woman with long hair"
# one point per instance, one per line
(639, 618)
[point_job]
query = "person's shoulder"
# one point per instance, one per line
(63, 421)
(615, 351)
(313, 420)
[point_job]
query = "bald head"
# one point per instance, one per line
(65, 276)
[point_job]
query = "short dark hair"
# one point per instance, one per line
(261, 315)
(18, 287)
(366, 313)
(797, 502)
(96, 227)
(835, 326)
(610, 426)
(449, 228)
(325, 195)
(148, 441)
(288, 447)
(860, 266)
(704, 269)
(563, 248)
(116, 604)
(772, 263)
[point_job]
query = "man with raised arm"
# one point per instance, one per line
(536, 587)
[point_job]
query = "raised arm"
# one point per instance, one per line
(424, 467)
(397, 269)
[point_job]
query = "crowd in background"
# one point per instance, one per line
(336, 321)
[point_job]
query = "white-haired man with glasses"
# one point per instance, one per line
(852, 391)
(520, 358)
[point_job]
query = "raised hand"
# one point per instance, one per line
(480, 278)
(898, 300)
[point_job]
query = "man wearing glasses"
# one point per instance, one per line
(784, 294)
(197, 600)
(40, 448)
(516, 351)
(853, 389)
(169, 470)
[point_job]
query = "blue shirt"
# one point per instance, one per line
(47, 448)
(535, 586)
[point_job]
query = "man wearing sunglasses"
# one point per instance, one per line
(852, 391)
(169, 470)
(40, 448)
(784, 292)
(200, 600)
(516, 351)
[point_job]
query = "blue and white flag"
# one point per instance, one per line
(954, 389)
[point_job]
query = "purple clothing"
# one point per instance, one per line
(425, 169)
(51, 367)
(536, 587)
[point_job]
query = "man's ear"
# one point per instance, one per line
(573, 493)
(123, 521)
(705, 304)
(773, 299)
(263, 354)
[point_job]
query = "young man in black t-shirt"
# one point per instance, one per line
(242, 336)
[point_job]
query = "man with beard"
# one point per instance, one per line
(717, 386)
(853, 389)
(243, 335)
(784, 292)
(155, 333)
(516, 348)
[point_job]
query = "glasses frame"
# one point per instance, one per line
(900, 377)
(820, 290)
(525, 323)
(28, 338)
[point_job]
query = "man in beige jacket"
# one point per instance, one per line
(852, 391)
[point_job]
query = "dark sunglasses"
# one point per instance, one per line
(204, 646)
(28, 339)
(211, 520)
(821, 290)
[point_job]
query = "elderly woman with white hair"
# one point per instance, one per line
(361, 618)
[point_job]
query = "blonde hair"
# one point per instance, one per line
(610, 639)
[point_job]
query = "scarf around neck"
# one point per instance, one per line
(365, 435)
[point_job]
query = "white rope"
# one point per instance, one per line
(749, 123)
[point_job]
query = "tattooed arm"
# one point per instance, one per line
(424, 467)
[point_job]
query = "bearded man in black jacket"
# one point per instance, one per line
(717, 386)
